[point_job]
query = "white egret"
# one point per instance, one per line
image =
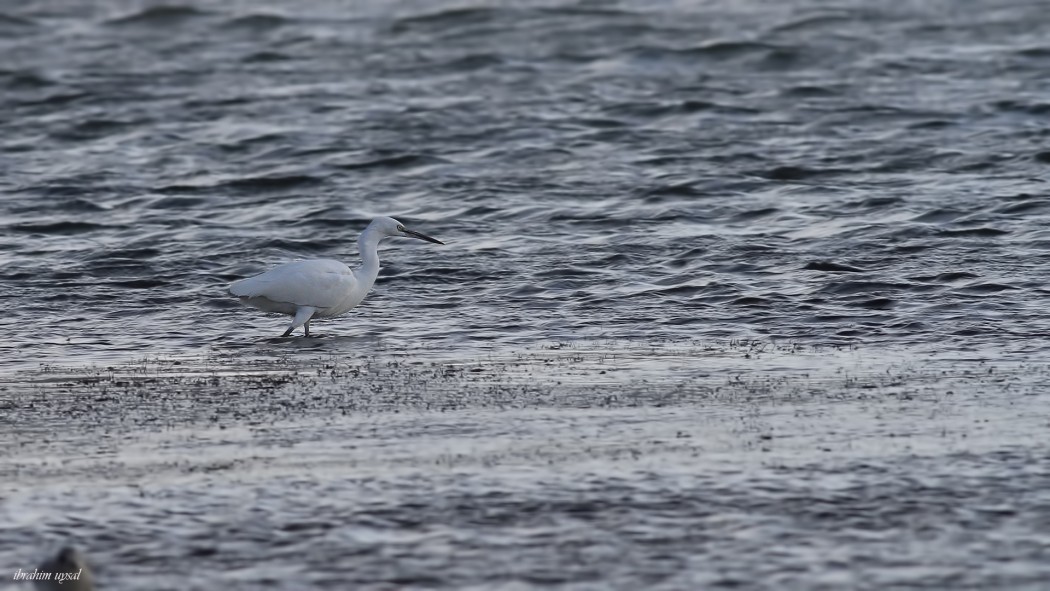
(321, 288)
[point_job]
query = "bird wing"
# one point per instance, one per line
(321, 283)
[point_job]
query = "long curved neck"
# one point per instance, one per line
(368, 244)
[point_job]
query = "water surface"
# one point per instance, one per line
(736, 294)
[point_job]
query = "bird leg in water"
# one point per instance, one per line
(306, 327)
(302, 316)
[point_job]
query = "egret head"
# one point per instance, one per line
(391, 227)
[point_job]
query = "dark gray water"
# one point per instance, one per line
(780, 194)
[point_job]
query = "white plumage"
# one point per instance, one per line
(321, 288)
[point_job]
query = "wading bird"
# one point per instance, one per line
(321, 288)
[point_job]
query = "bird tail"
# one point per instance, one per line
(245, 288)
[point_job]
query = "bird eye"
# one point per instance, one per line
(400, 228)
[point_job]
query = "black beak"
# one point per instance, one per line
(422, 236)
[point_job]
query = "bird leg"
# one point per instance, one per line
(306, 327)
(302, 316)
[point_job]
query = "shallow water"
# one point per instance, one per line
(615, 467)
(600, 170)
(805, 242)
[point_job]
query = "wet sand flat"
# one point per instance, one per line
(608, 466)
